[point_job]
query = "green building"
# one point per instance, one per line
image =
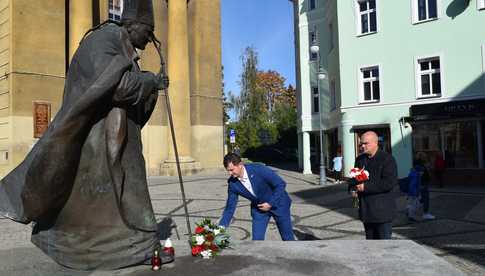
(413, 71)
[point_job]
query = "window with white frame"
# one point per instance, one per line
(333, 95)
(315, 100)
(312, 4)
(366, 16)
(424, 10)
(312, 38)
(480, 4)
(115, 8)
(429, 77)
(369, 86)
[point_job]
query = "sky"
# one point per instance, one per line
(266, 25)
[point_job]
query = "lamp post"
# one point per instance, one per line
(320, 76)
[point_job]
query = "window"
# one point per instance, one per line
(312, 38)
(366, 16)
(480, 4)
(425, 10)
(312, 4)
(115, 9)
(455, 141)
(429, 77)
(370, 90)
(333, 96)
(316, 100)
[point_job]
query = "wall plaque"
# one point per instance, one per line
(42, 117)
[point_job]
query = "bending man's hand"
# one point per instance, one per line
(265, 207)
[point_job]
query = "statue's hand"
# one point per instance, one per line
(163, 81)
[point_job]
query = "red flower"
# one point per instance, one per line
(196, 250)
(199, 229)
(362, 177)
(209, 238)
(214, 248)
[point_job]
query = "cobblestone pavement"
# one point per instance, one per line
(318, 212)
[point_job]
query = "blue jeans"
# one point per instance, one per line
(378, 231)
(425, 199)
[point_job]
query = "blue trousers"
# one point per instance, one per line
(378, 231)
(260, 224)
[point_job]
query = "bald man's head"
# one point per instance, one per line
(369, 143)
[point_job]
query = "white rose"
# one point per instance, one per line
(217, 231)
(206, 254)
(199, 239)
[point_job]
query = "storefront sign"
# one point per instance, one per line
(42, 117)
(452, 109)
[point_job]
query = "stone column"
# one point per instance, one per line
(80, 20)
(205, 82)
(103, 10)
(179, 90)
(307, 166)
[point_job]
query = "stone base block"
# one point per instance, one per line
(188, 166)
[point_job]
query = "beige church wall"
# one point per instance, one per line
(208, 146)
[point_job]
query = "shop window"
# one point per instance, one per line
(115, 8)
(456, 142)
(369, 85)
(424, 10)
(316, 100)
(366, 16)
(429, 77)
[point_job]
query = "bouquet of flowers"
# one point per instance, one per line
(360, 175)
(209, 239)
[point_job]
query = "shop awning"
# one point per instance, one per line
(447, 110)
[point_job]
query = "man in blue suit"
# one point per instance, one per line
(266, 191)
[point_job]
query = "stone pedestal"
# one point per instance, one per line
(333, 257)
(188, 166)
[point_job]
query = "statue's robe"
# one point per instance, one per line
(83, 185)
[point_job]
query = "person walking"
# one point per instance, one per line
(337, 166)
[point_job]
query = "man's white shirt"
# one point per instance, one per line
(246, 182)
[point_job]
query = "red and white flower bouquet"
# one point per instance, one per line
(360, 175)
(209, 239)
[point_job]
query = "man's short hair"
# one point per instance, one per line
(231, 158)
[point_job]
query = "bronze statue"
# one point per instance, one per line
(83, 185)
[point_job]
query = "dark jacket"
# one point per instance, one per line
(377, 203)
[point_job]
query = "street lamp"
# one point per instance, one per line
(315, 49)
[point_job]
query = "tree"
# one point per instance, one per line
(272, 85)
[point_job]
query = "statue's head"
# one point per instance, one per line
(137, 18)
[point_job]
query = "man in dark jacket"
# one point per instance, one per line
(83, 185)
(377, 204)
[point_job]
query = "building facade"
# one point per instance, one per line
(37, 39)
(413, 71)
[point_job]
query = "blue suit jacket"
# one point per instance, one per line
(267, 186)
